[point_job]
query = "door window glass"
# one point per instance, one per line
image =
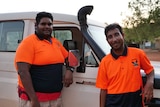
(11, 34)
(62, 35)
(89, 56)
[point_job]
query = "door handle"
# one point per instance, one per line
(80, 82)
(86, 83)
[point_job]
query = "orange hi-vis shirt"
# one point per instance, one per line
(34, 51)
(122, 75)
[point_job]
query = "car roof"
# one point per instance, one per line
(58, 17)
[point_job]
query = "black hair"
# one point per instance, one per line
(41, 15)
(111, 27)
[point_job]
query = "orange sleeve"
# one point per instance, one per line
(25, 52)
(102, 81)
(63, 50)
(145, 63)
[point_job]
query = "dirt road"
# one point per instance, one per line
(153, 55)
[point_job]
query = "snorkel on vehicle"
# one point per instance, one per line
(82, 18)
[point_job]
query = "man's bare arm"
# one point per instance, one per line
(23, 71)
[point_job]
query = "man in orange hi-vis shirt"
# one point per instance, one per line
(39, 60)
(119, 76)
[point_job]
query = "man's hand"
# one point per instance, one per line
(148, 91)
(68, 78)
(148, 88)
(35, 103)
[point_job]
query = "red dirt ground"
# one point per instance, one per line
(153, 55)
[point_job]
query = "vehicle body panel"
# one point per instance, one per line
(82, 93)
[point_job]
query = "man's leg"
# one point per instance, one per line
(24, 103)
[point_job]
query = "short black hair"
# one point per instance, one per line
(111, 27)
(41, 15)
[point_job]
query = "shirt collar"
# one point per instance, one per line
(123, 54)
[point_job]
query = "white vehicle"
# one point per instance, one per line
(90, 41)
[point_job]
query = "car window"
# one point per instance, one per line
(11, 34)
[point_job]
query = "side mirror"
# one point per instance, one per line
(74, 58)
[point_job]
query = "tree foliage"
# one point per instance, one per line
(145, 21)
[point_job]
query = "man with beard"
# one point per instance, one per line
(119, 76)
(39, 60)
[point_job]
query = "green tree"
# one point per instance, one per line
(144, 24)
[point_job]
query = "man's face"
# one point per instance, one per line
(115, 39)
(45, 27)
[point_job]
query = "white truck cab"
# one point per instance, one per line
(90, 41)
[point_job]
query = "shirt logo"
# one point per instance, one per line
(134, 62)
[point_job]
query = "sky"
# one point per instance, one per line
(105, 11)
